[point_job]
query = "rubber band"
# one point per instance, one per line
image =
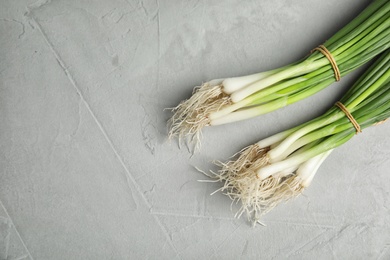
(350, 117)
(332, 61)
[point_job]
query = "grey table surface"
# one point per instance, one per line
(87, 172)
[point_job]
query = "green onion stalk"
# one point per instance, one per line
(223, 101)
(280, 167)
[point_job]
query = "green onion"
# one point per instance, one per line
(228, 100)
(280, 167)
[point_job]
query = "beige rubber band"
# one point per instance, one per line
(350, 117)
(332, 61)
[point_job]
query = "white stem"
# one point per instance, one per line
(288, 142)
(297, 70)
(235, 116)
(229, 109)
(308, 169)
(272, 146)
(247, 101)
(295, 146)
(274, 168)
(273, 139)
(250, 112)
(215, 82)
(231, 85)
(287, 171)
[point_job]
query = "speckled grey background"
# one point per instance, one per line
(86, 171)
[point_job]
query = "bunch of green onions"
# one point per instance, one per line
(280, 167)
(228, 100)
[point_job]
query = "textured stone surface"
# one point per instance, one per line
(86, 171)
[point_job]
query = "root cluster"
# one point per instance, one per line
(191, 115)
(242, 184)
